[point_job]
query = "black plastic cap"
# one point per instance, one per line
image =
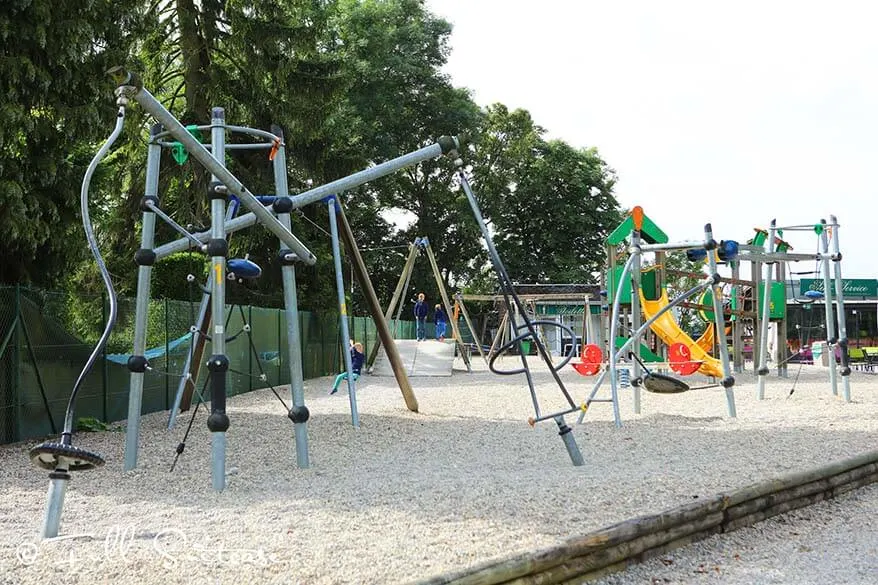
(218, 113)
(710, 244)
(299, 414)
(156, 129)
(145, 200)
(218, 363)
(215, 192)
(217, 247)
(282, 257)
(144, 257)
(137, 363)
(218, 422)
(763, 371)
(282, 205)
(846, 371)
(563, 429)
(728, 382)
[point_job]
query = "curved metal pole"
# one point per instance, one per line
(234, 129)
(102, 267)
(614, 330)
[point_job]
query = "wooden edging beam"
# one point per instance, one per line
(612, 549)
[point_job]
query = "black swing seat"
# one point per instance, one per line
(663, 384)
(52, 455)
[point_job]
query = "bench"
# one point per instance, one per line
(870, 356)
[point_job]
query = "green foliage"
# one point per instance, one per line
(350, 82)
(91, 424)
(397, 101)
(527, 184)
(53, 55)
(170, 278)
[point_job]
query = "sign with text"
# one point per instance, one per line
(852, 287)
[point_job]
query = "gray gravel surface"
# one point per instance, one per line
(835, 541)
(410, 495)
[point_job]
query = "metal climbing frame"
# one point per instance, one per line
(61, 457)
(223, 185)
(829, 257)
(214, 289)
(629, 277)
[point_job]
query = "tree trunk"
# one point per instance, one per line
(196, 63)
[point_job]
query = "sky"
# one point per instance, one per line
(729, 113)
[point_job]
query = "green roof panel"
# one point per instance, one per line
(650, 232)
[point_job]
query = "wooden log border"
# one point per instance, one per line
(614, 548)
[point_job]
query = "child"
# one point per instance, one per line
(357, 358)
(441, 323)
(421, 317)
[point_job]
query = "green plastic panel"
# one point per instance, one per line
(647, 283)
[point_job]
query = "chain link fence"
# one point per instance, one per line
(46, 338)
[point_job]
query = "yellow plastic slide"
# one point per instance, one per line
(706, 340)
(669, 332)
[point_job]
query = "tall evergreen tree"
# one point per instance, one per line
(53, 112)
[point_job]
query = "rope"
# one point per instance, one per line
(182, 445)
(801, 345)
(263, 376)
(305, 217)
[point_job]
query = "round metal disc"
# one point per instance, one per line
(51, 455)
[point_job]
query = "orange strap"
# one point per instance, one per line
(274, 148)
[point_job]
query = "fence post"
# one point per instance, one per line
(16, 364)
(278, 316)
(104, 375)
(252, 349)
(167, 356)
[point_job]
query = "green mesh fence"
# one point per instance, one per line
(46, 338)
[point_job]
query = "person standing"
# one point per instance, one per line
(421, 318)
(441, 320)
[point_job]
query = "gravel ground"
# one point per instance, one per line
(410, 495)
(835, 541)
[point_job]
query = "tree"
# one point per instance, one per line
(550, 205)
(399, 101)
(266, 63)
(54, 57)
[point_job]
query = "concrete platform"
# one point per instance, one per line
(420, 358)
